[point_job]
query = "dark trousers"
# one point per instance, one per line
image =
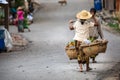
(20, 26)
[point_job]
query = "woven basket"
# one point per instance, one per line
(71, 52)
(91, 49)
(88, 50)
(103, 47)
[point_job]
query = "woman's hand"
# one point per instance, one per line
(71, 21)
(71, 24)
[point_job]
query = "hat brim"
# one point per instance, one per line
(81, 15)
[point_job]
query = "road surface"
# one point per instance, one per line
(45, 57)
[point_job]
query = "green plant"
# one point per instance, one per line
(114, 26)
(118, 15)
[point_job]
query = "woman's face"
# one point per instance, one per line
(82, 21)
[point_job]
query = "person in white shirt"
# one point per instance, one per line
(81, 27)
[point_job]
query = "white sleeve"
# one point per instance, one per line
(76, 24)
(91, 24)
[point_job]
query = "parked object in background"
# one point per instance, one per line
(2, 43)
(63, 2)
(7, 44)
(3, 2)
(98, 5)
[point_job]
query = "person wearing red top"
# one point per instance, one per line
(20, 18)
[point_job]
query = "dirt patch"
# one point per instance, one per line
(19, 42)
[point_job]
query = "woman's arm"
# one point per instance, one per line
(100, 32)
(98, 24)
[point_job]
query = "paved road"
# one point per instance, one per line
(45, 58)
